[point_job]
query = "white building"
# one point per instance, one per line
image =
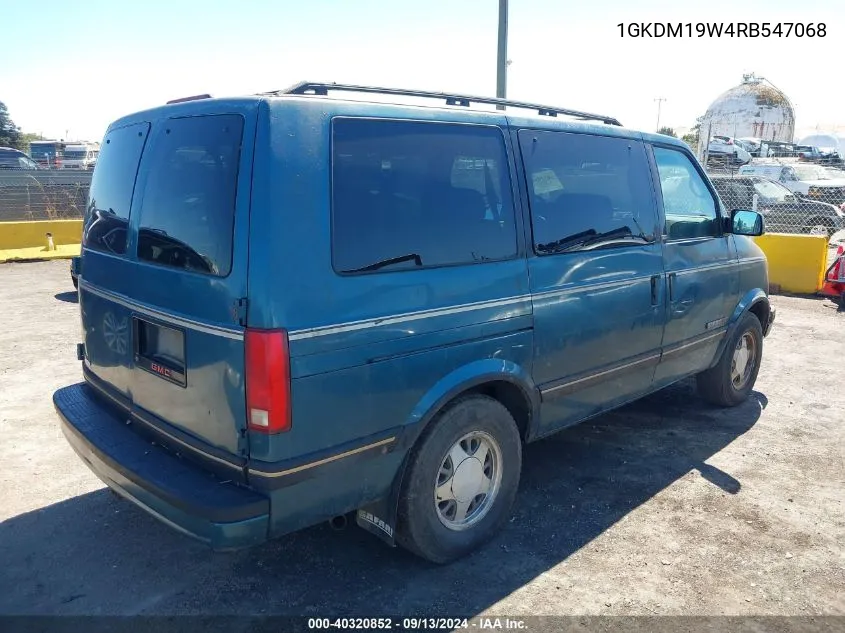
(755, 108)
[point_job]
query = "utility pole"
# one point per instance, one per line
(660, 101)
(502, 61)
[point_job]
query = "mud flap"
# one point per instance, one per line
(379, 517)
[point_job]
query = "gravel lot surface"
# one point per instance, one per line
(666, 506)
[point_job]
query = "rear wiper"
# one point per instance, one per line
(389, 262)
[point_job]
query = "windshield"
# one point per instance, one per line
(771, 191)
(75, 154)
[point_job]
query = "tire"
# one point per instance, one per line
(718, 385)
(75, 282)
(432, 529)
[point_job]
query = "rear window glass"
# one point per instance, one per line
(188, 206)
(409, 195)
(110, 196)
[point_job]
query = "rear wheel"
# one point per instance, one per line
(461, 481)
(731, 380)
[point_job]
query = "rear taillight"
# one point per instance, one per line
(267, 381)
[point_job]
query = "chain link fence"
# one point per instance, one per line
(43, 194)
(793, 195)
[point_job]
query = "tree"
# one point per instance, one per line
(691, 137)
(10, 134)
(26, 139)
(667, 131)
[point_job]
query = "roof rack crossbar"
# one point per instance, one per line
(315, 88)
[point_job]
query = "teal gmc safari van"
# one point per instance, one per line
(305, 304)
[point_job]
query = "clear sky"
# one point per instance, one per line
(71, 67)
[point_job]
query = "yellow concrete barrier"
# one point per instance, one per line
(796, 262)
(29, 240)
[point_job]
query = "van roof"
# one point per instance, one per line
(459, 107)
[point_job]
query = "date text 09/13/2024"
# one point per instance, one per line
(417, 624)
(722, 29)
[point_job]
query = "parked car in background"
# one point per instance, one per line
(809, 181)
(758, 148)
(784, 211)
(727, 149)
(323, 306)
(779, 149)
(832, 159)
(808, 152)
(11, 158)
(80, 156)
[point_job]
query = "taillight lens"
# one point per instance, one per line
(267, 381)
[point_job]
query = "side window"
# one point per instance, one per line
(188, 208)
(110, 195)
(587, 191)
(687, 202)
(408, 194)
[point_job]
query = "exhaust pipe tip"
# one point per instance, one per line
(338, 523)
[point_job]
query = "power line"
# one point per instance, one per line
(660, 101)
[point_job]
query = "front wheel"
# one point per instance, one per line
(731, 380)
(461, 481)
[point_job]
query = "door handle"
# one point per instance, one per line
(655, 279)
(672, 287)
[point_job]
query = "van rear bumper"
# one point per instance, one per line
(223, 515)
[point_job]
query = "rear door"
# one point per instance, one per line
(106, 317)
(175, 297)
(596, 275)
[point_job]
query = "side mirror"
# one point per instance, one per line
(745, 222)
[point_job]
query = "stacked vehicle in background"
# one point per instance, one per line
(81, 156)
(783, 210)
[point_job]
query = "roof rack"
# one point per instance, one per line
(313, 88)
(191, 98)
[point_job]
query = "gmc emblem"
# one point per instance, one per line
(159, 369)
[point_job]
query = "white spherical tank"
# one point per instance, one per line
(755, 109)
